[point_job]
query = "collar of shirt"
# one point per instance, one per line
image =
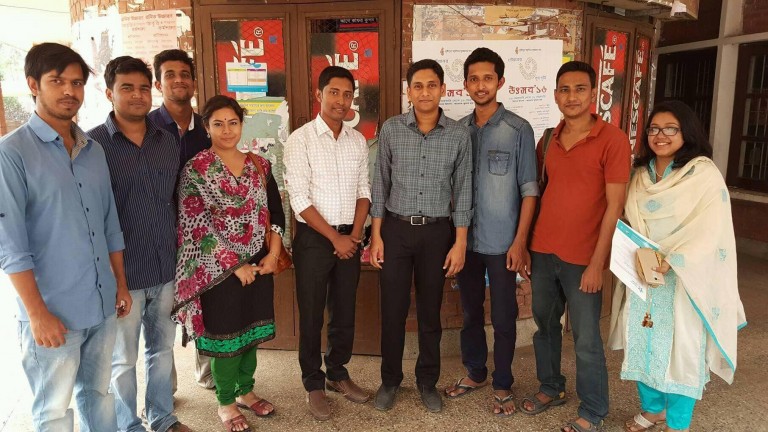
(47, 134)
(410, 119)
(595, 131)
(495, 118)
(114, 129)
(169, 120)
(653, 173)
(321, 127)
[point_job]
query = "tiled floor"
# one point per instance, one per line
(740, 407)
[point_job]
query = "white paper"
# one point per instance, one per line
(624, 246)
(531, 67)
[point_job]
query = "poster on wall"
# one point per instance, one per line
(147, 33)
(465, 22)
(609, 59)
(640, 81)
(354, 45)
(531, 67)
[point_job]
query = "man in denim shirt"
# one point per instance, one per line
(62, 247)
(505, 191)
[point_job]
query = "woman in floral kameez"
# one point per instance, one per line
(687, 327)
(224, 286)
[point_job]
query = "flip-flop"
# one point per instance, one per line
(501, 401)
(461, 386)
(643, 423)
(229, 424)
(539, 406)
(259, 408)
(576, 427)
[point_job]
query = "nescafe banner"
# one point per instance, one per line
(640, 81)
(609, 58)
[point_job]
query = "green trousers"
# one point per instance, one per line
(233, 376)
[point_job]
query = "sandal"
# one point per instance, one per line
(230, 424)
(466, 388)
(539, 406)
(639, 424)
(501, 401)
(576, 427)
(260, 408)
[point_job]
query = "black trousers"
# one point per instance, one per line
(412, 254)
(323, 280)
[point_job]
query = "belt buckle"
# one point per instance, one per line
(422, 218)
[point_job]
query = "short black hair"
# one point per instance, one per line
(577, 66)
(334, 72)
(695, 141)
(484, 54)
(125, 65)
(49, 56)
(220, 102)
(425, 64)
(172, 55)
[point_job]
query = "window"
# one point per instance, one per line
(748, 155)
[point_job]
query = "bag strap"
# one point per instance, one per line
(260, 168)
(546, 140)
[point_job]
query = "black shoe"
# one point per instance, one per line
(431, 398)
(385, 397)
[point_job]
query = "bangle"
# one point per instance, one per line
(277, 257)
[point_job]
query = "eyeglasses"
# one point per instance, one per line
(667, 131)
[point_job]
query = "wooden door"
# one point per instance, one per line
(268, 57)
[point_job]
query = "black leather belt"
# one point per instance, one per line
(417, 220)
(341, 229)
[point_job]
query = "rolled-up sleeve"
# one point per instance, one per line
(297, 171)
(462, 184)
(527, 163)
(15, 255)
(382, 178)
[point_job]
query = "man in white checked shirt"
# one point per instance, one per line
(326, 175)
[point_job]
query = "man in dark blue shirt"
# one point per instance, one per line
(175, 79)
(143, 164)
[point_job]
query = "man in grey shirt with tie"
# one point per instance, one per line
(422, 189)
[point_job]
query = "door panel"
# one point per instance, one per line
(269, 57)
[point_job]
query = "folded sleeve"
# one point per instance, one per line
(15, 255)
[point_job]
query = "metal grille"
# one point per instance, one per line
(753, 158)
(689, 77)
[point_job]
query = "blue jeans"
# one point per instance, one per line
(80, 365)
(679, 408)
(152, 311)
(504, 310)
(554, 283)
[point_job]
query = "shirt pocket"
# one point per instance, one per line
(498, 162)
(164, 183)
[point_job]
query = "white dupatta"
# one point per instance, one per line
(689, 214)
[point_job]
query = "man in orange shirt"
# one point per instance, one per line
(587, 167)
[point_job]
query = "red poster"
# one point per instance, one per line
(609, 58)
(639, 90)
(258, 41)
(357, 51)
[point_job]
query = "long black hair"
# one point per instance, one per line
(695, 141)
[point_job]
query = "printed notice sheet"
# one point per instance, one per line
(624, 246)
